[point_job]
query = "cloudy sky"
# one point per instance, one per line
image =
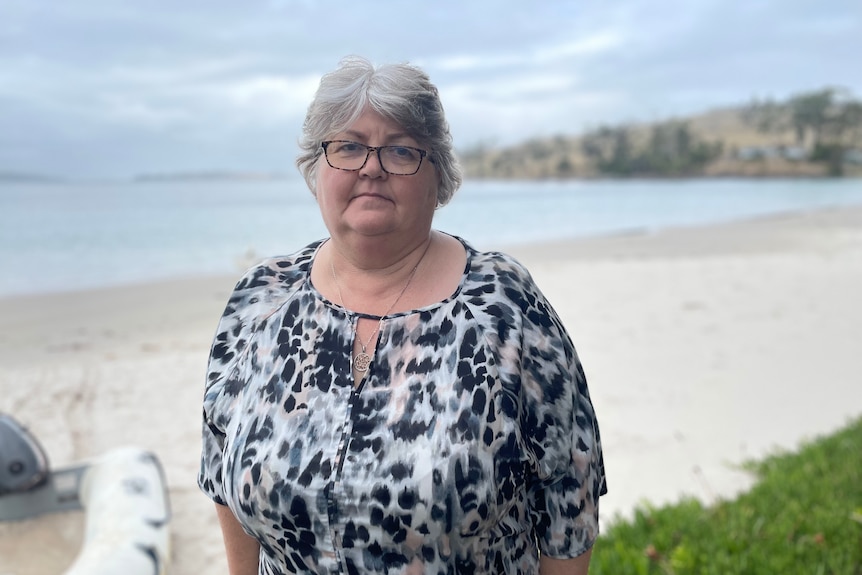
(114, 88)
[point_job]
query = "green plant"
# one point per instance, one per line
(803, 516)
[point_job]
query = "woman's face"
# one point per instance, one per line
(370, 202)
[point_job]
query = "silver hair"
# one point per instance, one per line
(399, 92)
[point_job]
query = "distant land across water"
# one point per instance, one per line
(809, 135)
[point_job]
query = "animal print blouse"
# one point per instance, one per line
(470, 447)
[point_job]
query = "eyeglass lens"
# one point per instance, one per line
(397, 160)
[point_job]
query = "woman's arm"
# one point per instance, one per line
(576, 566)
(242, 550)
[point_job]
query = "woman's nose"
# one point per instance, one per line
(372, 167)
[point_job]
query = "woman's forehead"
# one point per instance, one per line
(371, 124)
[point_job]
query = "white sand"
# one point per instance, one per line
(703, 347)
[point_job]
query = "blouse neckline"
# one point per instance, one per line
(350, 313)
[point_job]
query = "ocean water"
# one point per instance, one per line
(61, 237)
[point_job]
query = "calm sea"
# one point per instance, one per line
(63, 237)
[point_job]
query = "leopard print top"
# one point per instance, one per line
(470, 446)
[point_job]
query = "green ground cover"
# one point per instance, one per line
(804, 515)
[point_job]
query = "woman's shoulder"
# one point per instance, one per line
(278, 269)
(268, 283)
(500, 291)
(496, 271)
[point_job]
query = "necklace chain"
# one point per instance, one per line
(362, 360)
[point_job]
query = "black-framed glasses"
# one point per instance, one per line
(352, 156)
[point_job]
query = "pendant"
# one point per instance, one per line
(361, 361)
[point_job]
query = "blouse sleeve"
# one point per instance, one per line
(223, 379)
(210, 474)
(562, 435)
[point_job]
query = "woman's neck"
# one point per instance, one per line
(370, 274)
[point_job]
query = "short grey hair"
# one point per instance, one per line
(400, 92)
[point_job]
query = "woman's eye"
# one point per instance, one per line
(348, 147)
(402, 152)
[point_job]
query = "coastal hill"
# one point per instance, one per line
(814, 134)
(809, 135)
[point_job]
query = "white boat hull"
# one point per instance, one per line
(125, 497)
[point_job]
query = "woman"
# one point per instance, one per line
(390, 400)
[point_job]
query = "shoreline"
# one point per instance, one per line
(703, 346)
(589, 246)
(232, 177)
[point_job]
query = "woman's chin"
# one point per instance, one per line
(372, 223)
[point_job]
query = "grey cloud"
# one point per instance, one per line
(104, 87)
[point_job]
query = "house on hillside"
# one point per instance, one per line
(790, 153)
(853, 156)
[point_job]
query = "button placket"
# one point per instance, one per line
(333, 489)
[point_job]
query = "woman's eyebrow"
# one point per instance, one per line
(389, 137)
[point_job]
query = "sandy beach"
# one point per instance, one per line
(704, 347)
